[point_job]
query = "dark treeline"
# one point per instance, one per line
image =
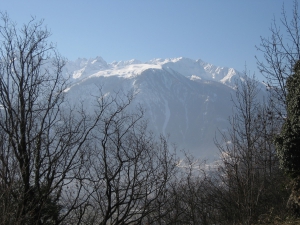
(62, 165)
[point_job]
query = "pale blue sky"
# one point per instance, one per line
(222, 32)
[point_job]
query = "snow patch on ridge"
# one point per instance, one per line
(129, 71)
(194, 70)
(194, 77)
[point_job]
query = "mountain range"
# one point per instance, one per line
(188, 100)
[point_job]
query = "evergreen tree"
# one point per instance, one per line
(288, 141)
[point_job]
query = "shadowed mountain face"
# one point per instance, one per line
(189, 100)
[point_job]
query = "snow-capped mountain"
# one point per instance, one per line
(82, 68)
(184, 98)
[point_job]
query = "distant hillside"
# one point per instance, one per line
(190, 100)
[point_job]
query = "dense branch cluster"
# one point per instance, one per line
(62, 164)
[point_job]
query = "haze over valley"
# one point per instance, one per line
(187, 100)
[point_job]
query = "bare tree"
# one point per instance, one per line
(41, 146)
(281, 51)
(281, 54)
(249, 169)
(127, 171)
(190, 199)
(60, 164)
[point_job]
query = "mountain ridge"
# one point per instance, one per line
(82, 68)
(190, 100)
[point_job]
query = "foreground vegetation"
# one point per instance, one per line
(62, 165)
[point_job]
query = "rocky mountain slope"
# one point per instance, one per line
(189, 100)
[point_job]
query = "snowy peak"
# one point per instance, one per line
(125, 63)
(188, 99)
(161, 61)
(223, 74)
(197, 68)
(84, 67)
(184, 66)
(192, 69)
(127, 71)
